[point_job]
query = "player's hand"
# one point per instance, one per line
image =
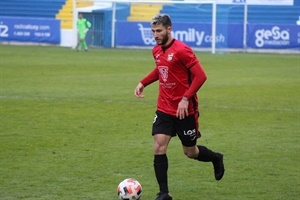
(182, 110)
(138, 92)
(86, 30)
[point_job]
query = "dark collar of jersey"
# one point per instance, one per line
(164, 48)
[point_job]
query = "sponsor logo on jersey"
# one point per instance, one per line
(191, 133)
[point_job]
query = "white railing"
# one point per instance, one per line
(212, 2)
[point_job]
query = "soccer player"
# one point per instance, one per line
(180, 76)
(83, 26)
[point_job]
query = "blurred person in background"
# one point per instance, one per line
(83, 26)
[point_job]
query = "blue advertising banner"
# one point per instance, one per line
(196, 35)
(257, 2)
(264, 36)
(39, 30)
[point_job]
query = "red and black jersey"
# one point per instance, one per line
(179, 73)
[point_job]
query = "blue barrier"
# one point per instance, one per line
(268, 36)
(37, 30)
(198, 35)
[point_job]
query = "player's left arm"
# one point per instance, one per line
(195, 70)
(88, 25)
(198, 78)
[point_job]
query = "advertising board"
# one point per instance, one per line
(198, 35)
(39, 30)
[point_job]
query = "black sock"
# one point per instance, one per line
(206, 155)
(161, 169)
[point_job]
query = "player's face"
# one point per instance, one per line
(161, 34)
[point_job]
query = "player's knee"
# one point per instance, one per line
(190, 154)
(159, 149)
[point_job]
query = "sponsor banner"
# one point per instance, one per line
(39, 30)
(261, 36)
(196, 35)
(258, 2)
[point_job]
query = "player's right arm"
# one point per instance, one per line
(138, 92)
(150, 78)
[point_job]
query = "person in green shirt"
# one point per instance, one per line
(83, 27)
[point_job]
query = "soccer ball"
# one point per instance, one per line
(129, 189)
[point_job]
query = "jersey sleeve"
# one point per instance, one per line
(198, 78)
(198, 75)
(150, 78)
(188, 57)
(88, 24)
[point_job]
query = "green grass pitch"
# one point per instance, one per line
(71, 128)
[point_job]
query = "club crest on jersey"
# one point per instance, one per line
(163, 70)
(170, 56)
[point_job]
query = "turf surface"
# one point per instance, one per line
(70, 127)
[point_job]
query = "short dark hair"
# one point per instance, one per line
(163, 19)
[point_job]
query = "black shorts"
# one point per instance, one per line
(186, 129)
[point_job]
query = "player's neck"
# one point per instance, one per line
(168, 43)
(170, 40)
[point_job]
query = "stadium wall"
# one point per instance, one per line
(189, 20)
(264, 29)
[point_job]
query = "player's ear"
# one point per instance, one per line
(169, 29)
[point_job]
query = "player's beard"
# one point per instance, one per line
(164, 40)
